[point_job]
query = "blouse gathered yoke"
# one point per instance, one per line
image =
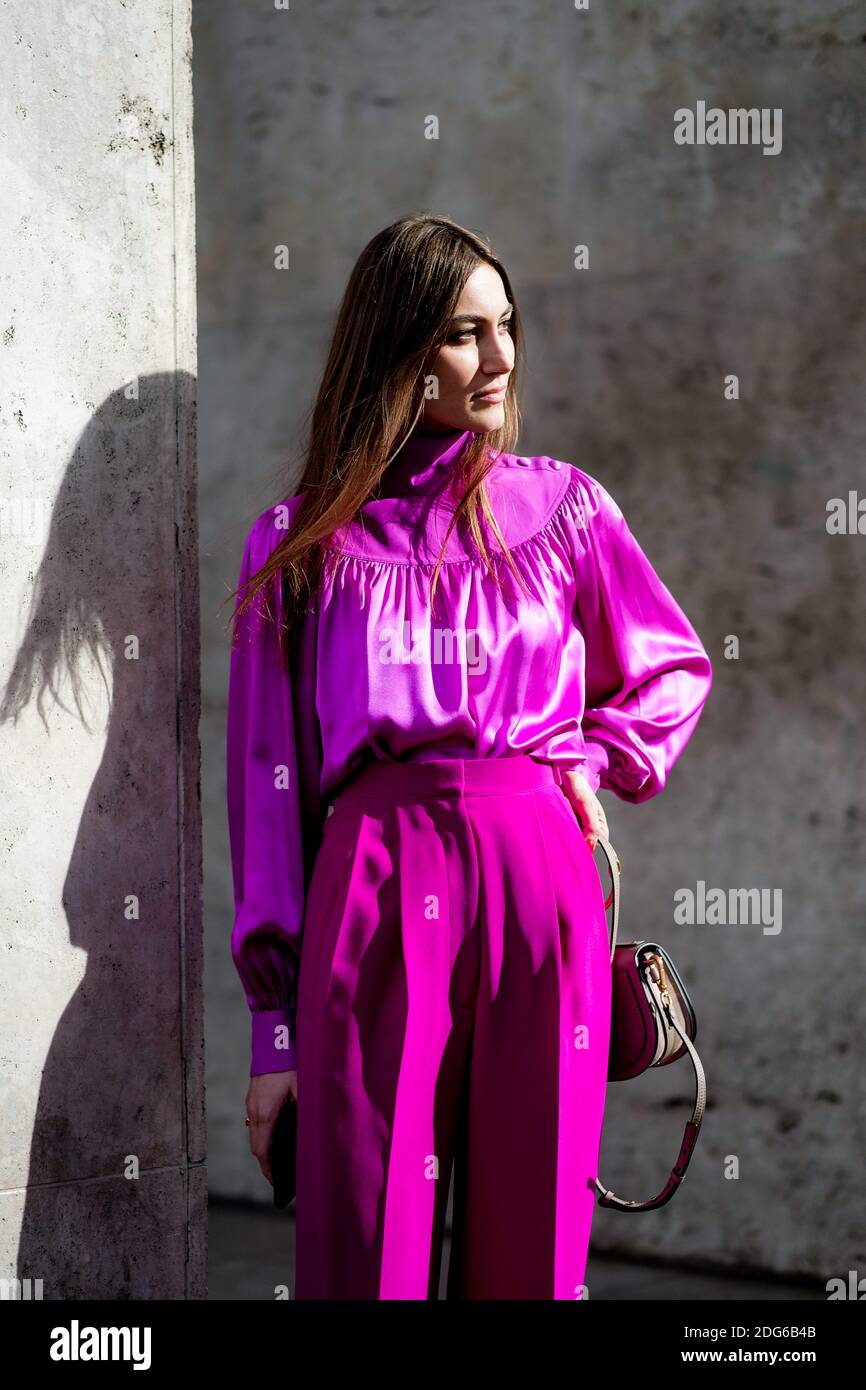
(598, 669)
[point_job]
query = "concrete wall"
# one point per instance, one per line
(556, 128)
(102, 1157)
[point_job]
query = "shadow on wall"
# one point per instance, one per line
(116, 1159)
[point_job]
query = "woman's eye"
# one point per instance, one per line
(470, 332)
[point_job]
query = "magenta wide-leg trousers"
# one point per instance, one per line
(453, 1009)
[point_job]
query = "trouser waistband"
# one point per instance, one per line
(467, 776)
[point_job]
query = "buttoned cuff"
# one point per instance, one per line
(597, 762)
(273, 1042)
(590, 767)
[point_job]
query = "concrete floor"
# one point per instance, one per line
(252, 1252)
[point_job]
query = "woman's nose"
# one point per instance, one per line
(498, 357)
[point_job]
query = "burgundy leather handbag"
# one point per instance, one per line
(652, 1024)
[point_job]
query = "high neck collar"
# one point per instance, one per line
(423, 463)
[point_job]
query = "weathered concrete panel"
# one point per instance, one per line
(101, 1031)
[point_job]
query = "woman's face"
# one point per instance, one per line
(478, 356)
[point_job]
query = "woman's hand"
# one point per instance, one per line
(266, 1097)
(587, 807)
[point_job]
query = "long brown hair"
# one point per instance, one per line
(393, 319)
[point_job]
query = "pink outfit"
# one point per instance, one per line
(450, 911)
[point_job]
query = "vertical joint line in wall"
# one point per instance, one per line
(180, 484)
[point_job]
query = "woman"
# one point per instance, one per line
(464, 645)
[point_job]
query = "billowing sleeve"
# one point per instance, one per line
(647, 675)
(272, 765)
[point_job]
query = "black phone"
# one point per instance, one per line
(284, 1148)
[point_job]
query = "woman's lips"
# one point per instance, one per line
(491, 396)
